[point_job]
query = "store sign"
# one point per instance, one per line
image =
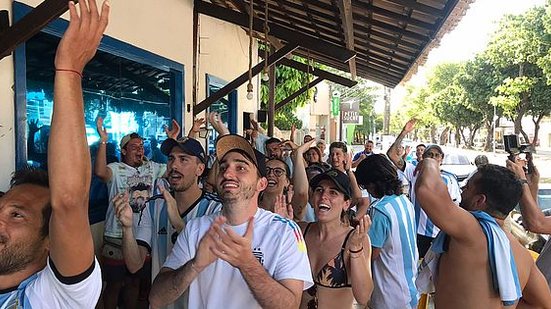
(350, 111)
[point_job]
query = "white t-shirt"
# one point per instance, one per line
(153, 229)
(277, 244)
(45, 290)
(127, 177)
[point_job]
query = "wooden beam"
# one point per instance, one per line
(31, 24)
(318, 72)
(413, 4)
(241, 6)
(272, 59)
(314, 71)
(297, 93)
(345, 8)
(280, 32)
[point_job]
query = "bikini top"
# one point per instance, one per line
(333, 274)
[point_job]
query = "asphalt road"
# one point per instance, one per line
(542, 159)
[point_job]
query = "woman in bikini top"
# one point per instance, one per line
(339, 255)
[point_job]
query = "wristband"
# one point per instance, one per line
(357, 251)
(69, 70)
(523, 181)
(102, 142)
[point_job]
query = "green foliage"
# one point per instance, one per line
(288, 81)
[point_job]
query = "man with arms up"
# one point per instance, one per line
(532, 217)
(473, 262)
(163, 219)
(426, 229)
(360, 156)
(47, 253)
(243, 256)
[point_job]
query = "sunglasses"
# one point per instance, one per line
(278, 172)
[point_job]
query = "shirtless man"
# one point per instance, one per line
(464, 275)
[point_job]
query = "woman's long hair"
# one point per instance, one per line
(376, 169)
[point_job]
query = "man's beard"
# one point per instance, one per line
(16, 257)
(244, 194)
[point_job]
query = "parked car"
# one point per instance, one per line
(458, 164)
(544, 196)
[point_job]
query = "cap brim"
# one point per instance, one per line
(318, 178)
(228, 143)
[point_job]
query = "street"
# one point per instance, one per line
(542, 159)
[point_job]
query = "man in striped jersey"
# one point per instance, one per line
(426, 230)
(392, 234)
(158, 226)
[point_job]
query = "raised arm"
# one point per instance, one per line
(71, 246)
(354, 187)
(300, 180)
(174, 131)
(393, 152)
(196, 127)
(359, 261)
(432, 194)
(217, 124)
(532, 217)
(100, 164)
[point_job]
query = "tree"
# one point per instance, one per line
(480, 79)
(520, 44)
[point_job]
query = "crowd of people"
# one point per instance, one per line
(263, 223)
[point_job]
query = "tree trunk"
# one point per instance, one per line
(536, 129)
(444, 136)
(472, 134)
(458, 135)
(433, 134)
(489, 136)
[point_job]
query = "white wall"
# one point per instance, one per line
(163, 28)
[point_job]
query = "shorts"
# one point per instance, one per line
(113, 265)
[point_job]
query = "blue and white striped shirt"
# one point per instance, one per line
(395, 270)
(425, 226)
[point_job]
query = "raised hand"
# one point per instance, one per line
(233, 248)
(80, 42)
(359, 235)
(174, 131)
(33, 126)
(304, 147)
(410, 125)
(197, 123)
(101, 129)
(282, 207)
(123, 211)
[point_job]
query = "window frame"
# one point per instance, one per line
(109, 45)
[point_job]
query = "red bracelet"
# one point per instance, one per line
(69, 70)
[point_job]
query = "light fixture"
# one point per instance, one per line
(250, 84)
(265, 76)
(250, 91)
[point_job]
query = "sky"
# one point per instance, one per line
(469, 37)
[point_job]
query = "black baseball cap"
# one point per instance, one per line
(188, 145)
(236, 143)
(340, 179)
